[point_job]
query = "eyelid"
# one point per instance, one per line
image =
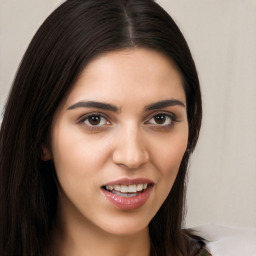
(166, 113)
(82, 118)
(166, 127)
(94, 113)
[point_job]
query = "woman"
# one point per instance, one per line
(98, 129)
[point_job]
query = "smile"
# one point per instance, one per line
(129, 194)
(126, 190)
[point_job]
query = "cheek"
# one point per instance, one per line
(78, 161)
(168, 154)
(77, 156)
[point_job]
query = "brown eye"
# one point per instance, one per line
(95, 120)
(160, 119)
(163, 120)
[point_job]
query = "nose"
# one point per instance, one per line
(130, 149)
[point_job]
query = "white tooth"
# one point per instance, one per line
(123, 194)
(139, 187)
(117, 187)
(124, 188)
(132, 188)
(127, 189)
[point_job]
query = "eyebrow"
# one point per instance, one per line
(164, 104)
(113, 108)
(94, 104)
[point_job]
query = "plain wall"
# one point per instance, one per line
(222, 38)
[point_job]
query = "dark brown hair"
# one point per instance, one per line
(74, 34)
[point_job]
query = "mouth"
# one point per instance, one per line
(128, 194)
(127, 190)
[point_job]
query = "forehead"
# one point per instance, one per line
(138, 74)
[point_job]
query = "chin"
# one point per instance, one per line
(126, 227)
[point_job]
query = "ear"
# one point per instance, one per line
(46, 153)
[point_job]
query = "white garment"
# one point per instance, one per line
(228, 241)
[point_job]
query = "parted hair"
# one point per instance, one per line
(74, 34)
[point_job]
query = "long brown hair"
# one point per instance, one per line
(74, 34)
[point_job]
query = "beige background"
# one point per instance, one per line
(222, 38)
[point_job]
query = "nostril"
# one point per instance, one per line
(130, 159)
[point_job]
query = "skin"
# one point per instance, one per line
(129, 143)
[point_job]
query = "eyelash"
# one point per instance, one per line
(170, 116)
(172, 119)
(89, 126)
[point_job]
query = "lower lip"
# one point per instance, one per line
(128, 203)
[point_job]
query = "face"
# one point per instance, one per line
(118, 139)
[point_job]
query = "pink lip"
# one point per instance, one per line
(128, 203)
(127, 181)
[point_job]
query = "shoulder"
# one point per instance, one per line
(196, 244)
(228, 241)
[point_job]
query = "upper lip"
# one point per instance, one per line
(127, 181)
